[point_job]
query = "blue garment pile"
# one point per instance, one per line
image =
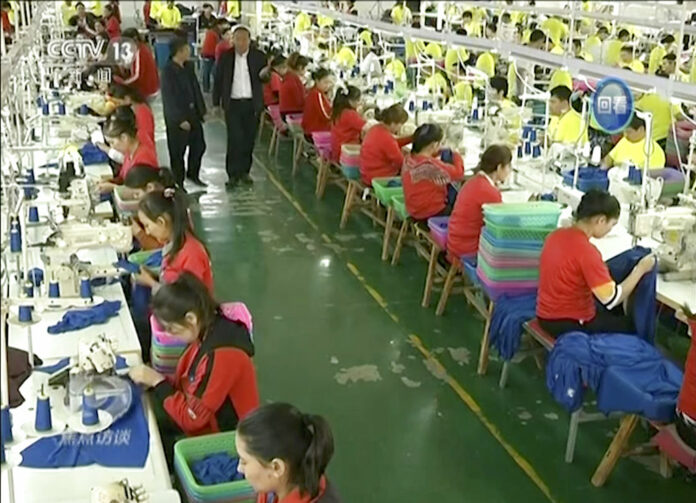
(77, 319)
(126, 443)
(91, 154)
(509, 315)
(216, 469)
(627, 373)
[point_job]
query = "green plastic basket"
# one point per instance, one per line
(508, 252)
(507, 274)
(539, 214)
(188, 450)
(384, 193)
(521, 233)
(399, 204)
(141, 256)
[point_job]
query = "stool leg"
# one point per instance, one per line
(399, 242)
(273, 139)
(485, 342)
(665, 466)
(432, 262)
(504, 375)
(616, 448)
(446, 289)
(572, 435)
(347, 203)
(387, 234)
(261, 122)
(323, 165)
(298, 155)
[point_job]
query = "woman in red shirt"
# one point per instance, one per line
(121, 133)
(427, 179)
(164, 215)
(380, 154)
(348, 124)
(686, 405)
(271, 90)
(284, 454)
(464, 228)
(144, 120)
(572, 274)
(292, 90)
(317, 110)
(214, 385)
(112, 22)
(144, 75)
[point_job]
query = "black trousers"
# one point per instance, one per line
(242, 123)
(604, 322)
(686, 431)
(177, 141)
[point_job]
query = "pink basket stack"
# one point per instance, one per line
(165, 350)
(274, 112)
(322, 143)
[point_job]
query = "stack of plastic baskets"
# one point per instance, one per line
(165, 350)
(322, 143)
(189, 450)
(386, 188)
(294, 122)
(350, 161)
(510, 246)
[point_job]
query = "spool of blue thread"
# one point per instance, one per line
(29, 289)
(31, 178)
(24, 314)
(85, 288)
(424, 106)
(43, 421)
(536, 151)
(520, 152)
(45, 109)
(90, 416)
(374, 89)
(33, 214)
(84, 109)
(526, 132)
(61, 108)
(54, 290)
(29, 192)
(39, 101)
(533, 135)
(6, 423)
(55, 92)
(528, 148)
(475, 114)
(411, 106)
(15, 237)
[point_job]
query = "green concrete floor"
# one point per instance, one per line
(333, 327)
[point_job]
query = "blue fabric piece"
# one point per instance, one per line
(36, 276)
(125, 444)
(641, 379)
(91, 154)
(128, 266)
(77, 319)
(216, 469)
(140, 301)
(154, 260)
(509, 314)
(446, 155)
(61, 364)
(394, 183)
(643, 300)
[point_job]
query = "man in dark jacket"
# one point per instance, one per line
(239, 79)
(184, 110)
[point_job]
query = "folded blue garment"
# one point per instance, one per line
(128, 266)
(509, 315)
(77, 319)
(216, 469)
(91, 154)
(628, 374)
(61, 364)
(126, 443)
(154, 260)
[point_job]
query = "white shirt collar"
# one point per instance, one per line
(243, 55)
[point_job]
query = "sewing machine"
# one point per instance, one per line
(118, 492)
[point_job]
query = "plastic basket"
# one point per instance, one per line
(193, 449)
(532, 214)
(495, 289)
(438, 230)
(294, 122)
(507, 274)
(509, 247)
(588, 178)
(140, 257)
(351, 172)
(386, 188)
(125, 205)
(399, 204)
(510, 261)
(469, 266)
(531, 234)
(321, 138)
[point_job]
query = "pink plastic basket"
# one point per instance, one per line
(321, 138)
(508, 262)
(438, 230)
(494, 289)
(274, 112)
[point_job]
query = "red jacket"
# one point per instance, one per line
(687, 395)
(380, 154)
(425, 198)
(209, 43)
(466, 222)
(144, 122)
(215, 381)
(292, 94)
(271, 90)
(192, 258)
(145, 154)
(144, 75)
(346, 130)
(220, 48)
(113, 27)
(317, 112)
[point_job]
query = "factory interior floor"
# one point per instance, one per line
(340, 333)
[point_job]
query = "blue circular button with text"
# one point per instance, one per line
(612, 105)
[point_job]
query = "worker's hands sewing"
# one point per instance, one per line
(144, 277)
(142, 374)
(106, 187)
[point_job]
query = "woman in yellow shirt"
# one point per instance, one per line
(631, 148)
(170, 16)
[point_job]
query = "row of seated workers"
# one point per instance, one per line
(278, 445)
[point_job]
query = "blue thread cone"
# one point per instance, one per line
(533, 135)
(31, 179)
(43, 420)
(53, 290)
(29, 289)
(90, 416)
(475, 114)
(527, 147)
(61, 108)
(45, 109)
(15, 238)
(85, 288)
(520, 152)
(536, 152)
(6, 423)
(24, 314)
(526, 132)
(33, 214)
(84, 109)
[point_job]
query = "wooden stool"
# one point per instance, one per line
(615, 451)
(355, 188)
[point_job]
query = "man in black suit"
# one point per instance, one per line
(239, 79)
(184, 110)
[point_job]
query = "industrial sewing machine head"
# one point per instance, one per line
(96, 355)
(118, 492)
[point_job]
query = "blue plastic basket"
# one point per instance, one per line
(588, 178)
(351, 172)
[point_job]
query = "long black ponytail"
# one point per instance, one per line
(303, 441)
(342, 100)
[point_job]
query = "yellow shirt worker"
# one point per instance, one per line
(303, 23)
(455, 56)
(568, 125)
(67, 11)
(663, 113)
(556, 30)
(401, 14)
(396, 69)
(631, 148)
(170, 16)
